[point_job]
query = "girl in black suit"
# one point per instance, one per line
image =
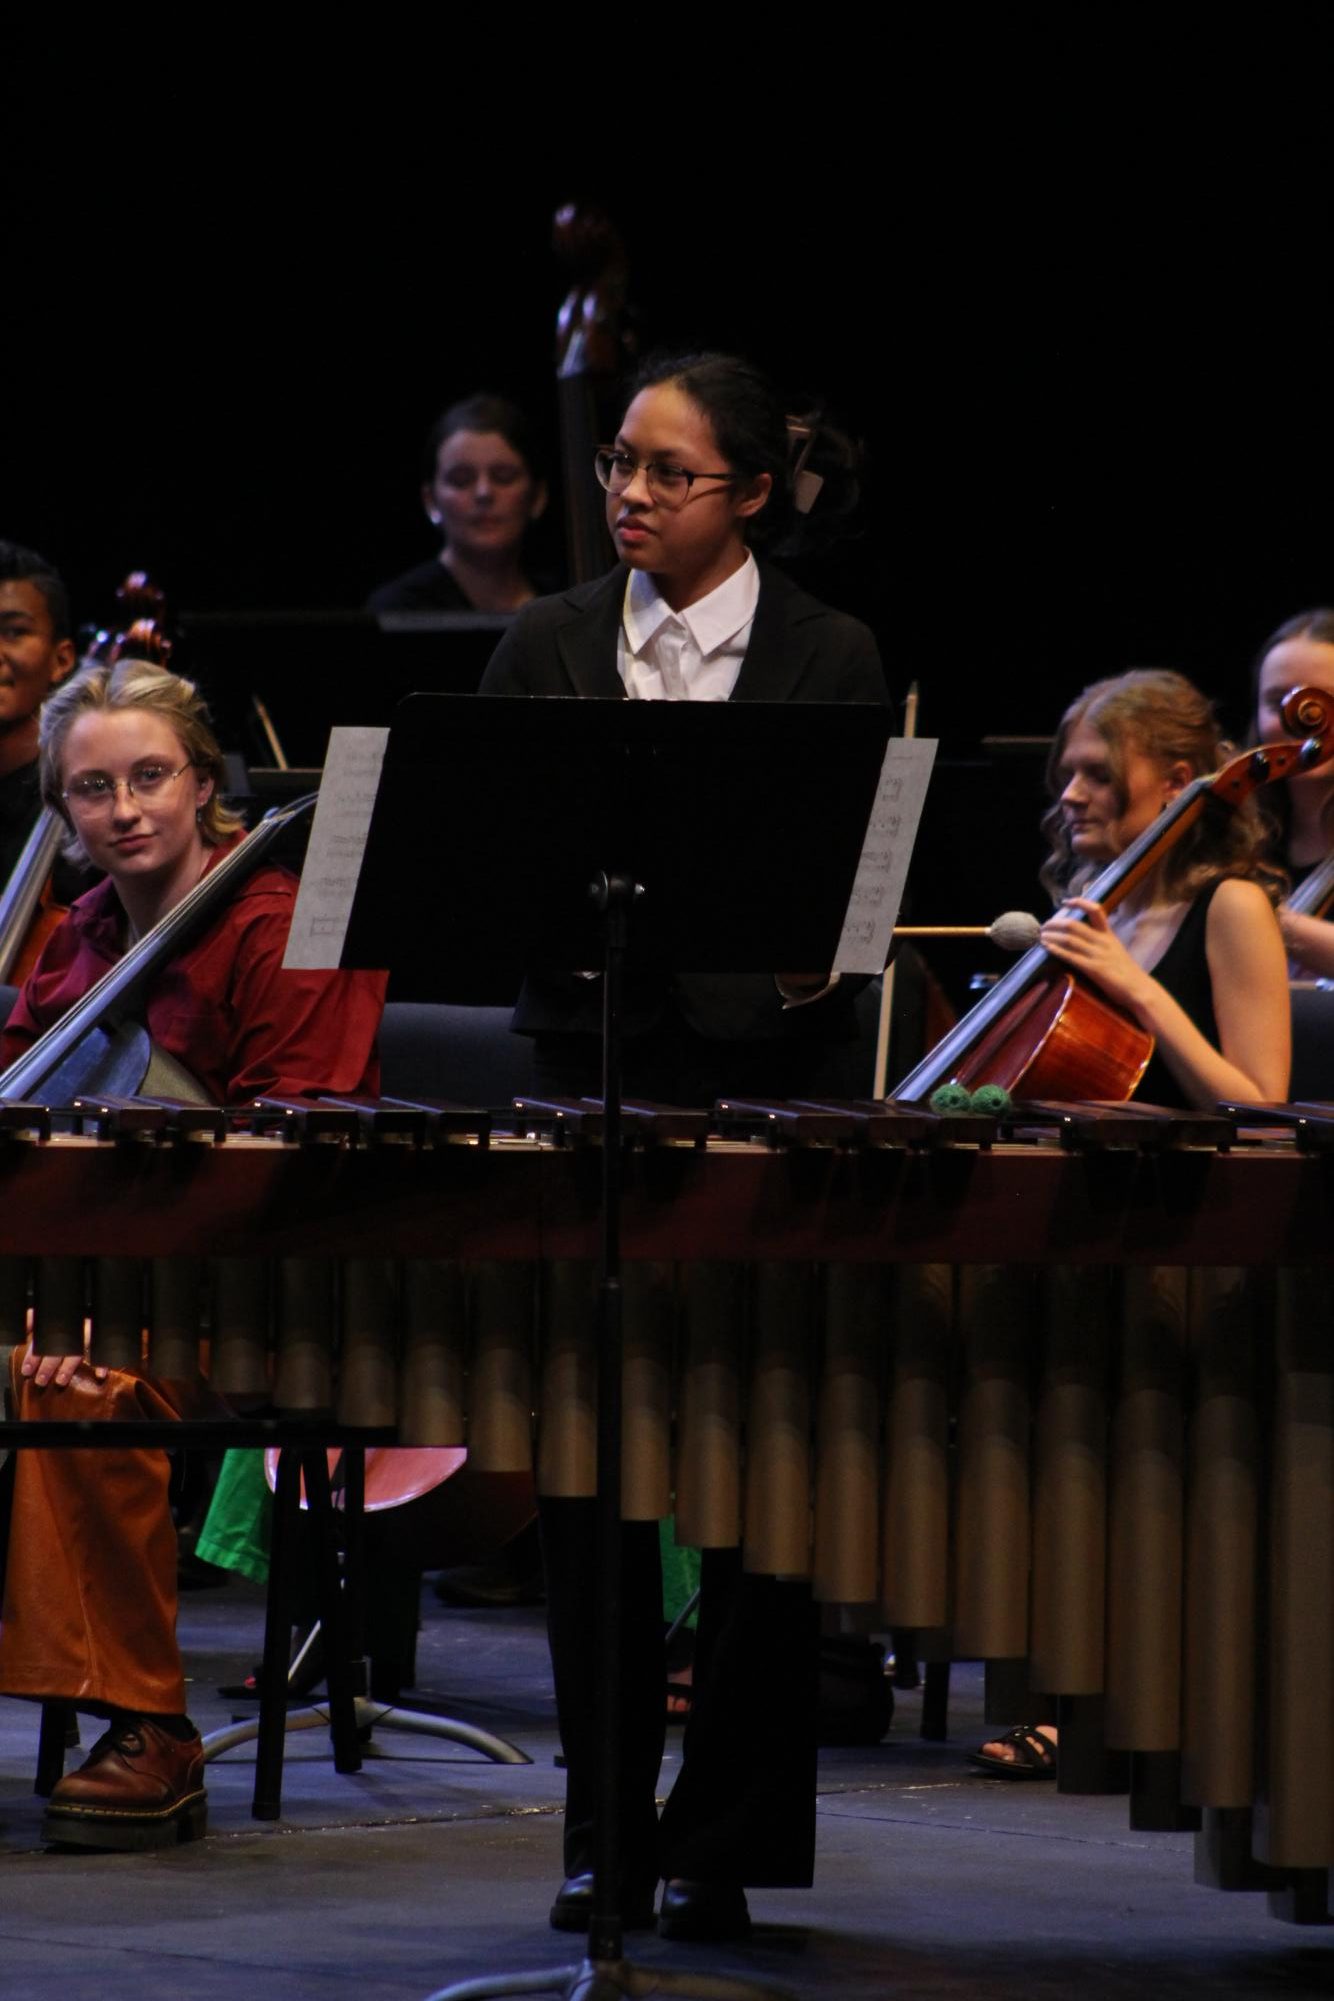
(705, 463)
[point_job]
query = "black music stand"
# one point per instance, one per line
(702, 838)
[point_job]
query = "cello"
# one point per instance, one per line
(1042, 1032)
(1315, 896)
(101, 1044)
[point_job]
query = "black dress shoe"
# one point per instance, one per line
(574, 1906)
(706, 1912)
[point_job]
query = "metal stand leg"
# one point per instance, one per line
(345, 1672)
(1155, 1795)
(52, 1743)
(272, 1721)
(605, 1974)
(610, 1980)
(349, 1713)
(1085, 1764)
(936, 1702)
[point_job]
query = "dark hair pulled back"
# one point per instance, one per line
(757, 433)
(24, 566)
(484, 413)
(1275, 802)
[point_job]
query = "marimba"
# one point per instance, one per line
(1062, 1390)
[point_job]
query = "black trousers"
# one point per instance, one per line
(743, 1806)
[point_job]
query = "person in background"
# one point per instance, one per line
(1299, 654)
(129, 760)
(37, 653)
(1194, 954)
(482, 489)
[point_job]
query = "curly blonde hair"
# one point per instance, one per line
(134, 684)
(1165, 717)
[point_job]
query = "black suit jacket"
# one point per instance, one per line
(799, 651)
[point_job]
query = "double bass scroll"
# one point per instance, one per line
(591, 353)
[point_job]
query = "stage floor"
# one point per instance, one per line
(431, 1866)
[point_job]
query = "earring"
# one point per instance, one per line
(433, 518)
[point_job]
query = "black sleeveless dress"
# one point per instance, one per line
(1184, 971)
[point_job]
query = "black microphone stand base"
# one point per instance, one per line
(610, 1980)
(605, 1975)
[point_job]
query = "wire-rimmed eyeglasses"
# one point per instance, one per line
(95, 792)
(668, 483)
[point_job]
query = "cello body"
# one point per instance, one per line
(1059, 1039)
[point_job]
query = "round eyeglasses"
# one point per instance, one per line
(670, 484)
(96, 792)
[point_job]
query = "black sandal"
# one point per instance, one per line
(1034, 1755)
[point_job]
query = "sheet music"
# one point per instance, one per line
(337, 845)
(877, 887)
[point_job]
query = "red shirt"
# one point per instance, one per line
(225, 1008)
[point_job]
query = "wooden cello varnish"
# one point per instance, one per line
(1061, 1040)
(28, 913)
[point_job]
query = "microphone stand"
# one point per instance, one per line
(604, 1974)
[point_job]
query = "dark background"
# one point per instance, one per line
(1073, 294)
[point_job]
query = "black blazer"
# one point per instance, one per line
(799, 651)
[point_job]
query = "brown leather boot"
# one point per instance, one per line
(140, 1788)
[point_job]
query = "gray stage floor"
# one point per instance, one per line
(431, 1866)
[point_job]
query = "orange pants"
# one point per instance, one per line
(90, 1588)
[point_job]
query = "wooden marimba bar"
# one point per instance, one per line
(1062, 1391)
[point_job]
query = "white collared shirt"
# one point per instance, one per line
(693, 655)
